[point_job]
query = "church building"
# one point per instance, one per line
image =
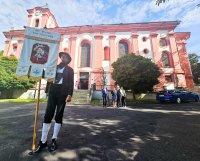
(94, 48)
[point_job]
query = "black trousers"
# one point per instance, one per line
(56, 102)
(104, 100)
(123, 101)
(118, 101)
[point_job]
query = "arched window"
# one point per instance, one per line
(106, 53)
(165, 59)
(14, 50)
(37, 22)
(163, 42)
(85, 55)
(123, 48)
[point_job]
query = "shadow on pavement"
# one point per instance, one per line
(143, 132)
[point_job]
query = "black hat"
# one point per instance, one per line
(67, 54)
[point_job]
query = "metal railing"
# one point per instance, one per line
(99, 87)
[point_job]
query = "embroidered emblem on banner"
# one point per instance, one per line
(39, 54)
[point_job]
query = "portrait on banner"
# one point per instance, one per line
(39, 53)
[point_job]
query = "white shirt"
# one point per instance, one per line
(59, 75)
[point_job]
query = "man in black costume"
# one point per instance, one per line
(59, 93)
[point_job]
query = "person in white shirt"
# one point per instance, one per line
(123, 96)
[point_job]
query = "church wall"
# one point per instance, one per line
(9, 48)
(105, 40)
(50, 22)
(166, 70)
(145, 45)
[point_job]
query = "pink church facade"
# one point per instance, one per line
(96, 47)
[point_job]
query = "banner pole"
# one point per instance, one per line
(36, 117)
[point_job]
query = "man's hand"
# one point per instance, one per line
(68, 99)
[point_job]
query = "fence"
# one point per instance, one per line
(99, 87)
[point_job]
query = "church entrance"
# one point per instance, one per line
(84, 79)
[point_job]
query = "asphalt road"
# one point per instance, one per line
(142, 132)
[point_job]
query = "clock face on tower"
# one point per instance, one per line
(38, 12)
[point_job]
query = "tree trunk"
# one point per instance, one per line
(133, 92)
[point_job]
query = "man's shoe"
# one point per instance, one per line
(53, 145)
(40, 146)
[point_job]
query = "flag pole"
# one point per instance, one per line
(36, 117)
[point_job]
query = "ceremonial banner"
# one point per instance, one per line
(39, 52)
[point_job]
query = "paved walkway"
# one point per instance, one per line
(142, 132)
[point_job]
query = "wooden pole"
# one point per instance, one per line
(36, 117)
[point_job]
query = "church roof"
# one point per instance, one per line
(110, 28)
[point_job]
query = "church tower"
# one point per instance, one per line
(41, 17)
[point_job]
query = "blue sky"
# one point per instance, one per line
(88, 12)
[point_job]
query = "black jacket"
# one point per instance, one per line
(67, 85)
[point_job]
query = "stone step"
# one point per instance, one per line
(80, 97)
(80, 101)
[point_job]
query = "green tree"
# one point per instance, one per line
(1, 52)
(8, 79)
(195, 67)
(136, 73)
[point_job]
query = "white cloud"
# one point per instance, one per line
(78, 12)
(191, 18)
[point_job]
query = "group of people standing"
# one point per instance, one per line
(118, 97)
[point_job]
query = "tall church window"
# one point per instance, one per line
(85, 55)
(14, 50)
(168, 78)
(37, 22)
(165, 60)
(106, 53)
(123, 48)
(163, 42)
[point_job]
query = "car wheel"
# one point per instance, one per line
(178, 100)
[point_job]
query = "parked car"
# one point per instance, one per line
(177, 96)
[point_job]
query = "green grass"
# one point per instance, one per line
(95, 101)
(21, 100)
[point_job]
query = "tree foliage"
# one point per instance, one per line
(136, 73)
(1, 52)
(8, 79)
(158, 2)
(195, 67)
